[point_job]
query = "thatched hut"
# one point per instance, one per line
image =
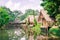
(44, 18)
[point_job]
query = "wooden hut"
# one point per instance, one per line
(30, 19)
(44, 18)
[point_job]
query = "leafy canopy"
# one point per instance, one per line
(54, 32)
(52, 6)
(4, 16)
(28, 12)
(58, 19)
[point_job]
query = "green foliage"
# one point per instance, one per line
(4, 17)
(16, 13)
(30, 12)
(52, 6)
(54, 32)
(22, 17)
(36, 28)
(27, 13)
(35, 22)
(12, 16)
(58, 19)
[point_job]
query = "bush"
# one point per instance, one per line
(54, 32)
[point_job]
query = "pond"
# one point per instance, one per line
(12, 34)
(19, 34)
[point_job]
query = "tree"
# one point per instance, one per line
(52, 6)
(4, 17)
(58, 19)
(16, 13)
(12, 16)
(29, 12)
(54, 32)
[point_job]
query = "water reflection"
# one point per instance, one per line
(13, 34)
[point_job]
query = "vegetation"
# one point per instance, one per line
(54, 32)
(17, 13)
(12, 16)
(36, 28)
(4, 17)
(58, 19)
(52, 6)
(27, 13)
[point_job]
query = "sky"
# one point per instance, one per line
(21, 4)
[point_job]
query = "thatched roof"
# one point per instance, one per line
(45, 15)
(31, 18)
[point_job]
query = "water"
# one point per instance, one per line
(12, 34)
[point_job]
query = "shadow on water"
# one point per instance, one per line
(12, 34)
(4, 35)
